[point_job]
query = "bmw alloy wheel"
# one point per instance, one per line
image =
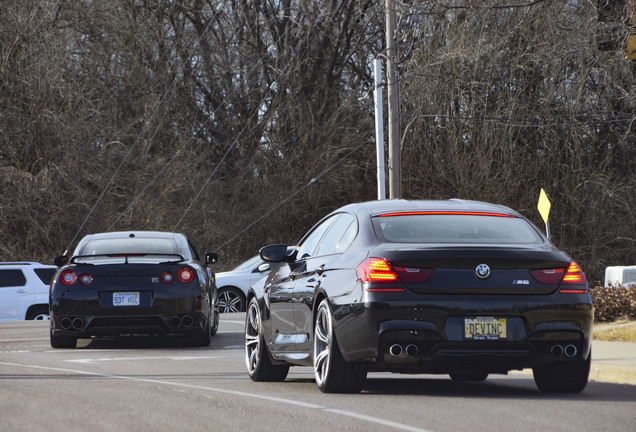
(332, 373)
(322, 345)
(259, 366)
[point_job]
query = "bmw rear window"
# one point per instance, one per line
(136, 245)
(439, 227)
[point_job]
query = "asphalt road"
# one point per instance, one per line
(150, 384)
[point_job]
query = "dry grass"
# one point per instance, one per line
(619, 331)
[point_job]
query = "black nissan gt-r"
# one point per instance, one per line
(134, 282)
(443, 287)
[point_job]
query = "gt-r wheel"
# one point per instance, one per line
(61, 341)
(214, 315)
(231, 300)
(202, 339)
(563, 377)
(259, 366)
(215, 322)
(332, 373)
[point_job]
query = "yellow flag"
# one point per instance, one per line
(544, 206)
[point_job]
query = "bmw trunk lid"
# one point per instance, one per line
(474, 269)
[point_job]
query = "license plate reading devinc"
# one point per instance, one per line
(126, 299)
(485, 328)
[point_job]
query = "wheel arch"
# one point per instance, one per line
(37, 309)
(233, 287)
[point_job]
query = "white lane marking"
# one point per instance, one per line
(370, 419)
(176, 358)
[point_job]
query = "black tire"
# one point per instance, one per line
(231, 300)
(61, 341)
(215, 322)
(331, 372)
(468, 376)
(563, 377)
(202, 339)
(259, 365)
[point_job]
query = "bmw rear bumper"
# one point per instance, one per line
(429, 337)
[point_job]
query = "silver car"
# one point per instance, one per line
(233, 285)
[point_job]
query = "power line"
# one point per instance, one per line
(312, 181)
(236, 140)
(154, 112)
(169, 162)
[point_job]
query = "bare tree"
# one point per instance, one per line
(242, 122)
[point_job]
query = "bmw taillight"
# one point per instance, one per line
(185, 275)
(68, 277)
(574, 275)
(571, 275)
(378, 271)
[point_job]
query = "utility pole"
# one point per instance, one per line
(393, 95)
(379, 129)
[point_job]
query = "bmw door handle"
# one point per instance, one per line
(312, 283)
(22, 291)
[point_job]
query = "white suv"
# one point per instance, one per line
(24, 290)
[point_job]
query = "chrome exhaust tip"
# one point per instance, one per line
(187, 321)
(175, 321)
(66, 323)
(411, 350)
(570, 350)
(395, 350)
(556, 350)
(78, 324)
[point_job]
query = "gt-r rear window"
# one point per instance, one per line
(455, 228)
(137, 245)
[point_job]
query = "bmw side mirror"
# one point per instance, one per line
(273, 253)
(61, 260)
(211, 258)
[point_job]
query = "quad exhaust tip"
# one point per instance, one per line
(185, 321)
(397, 350)
(569, 350)
(69, 323)
(78, 324)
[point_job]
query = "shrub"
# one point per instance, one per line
(614, 302)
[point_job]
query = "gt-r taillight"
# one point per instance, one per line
(571, 275)
(185, 275)
(68, 277)
(375, 271)
(167, 277)
(85, 279)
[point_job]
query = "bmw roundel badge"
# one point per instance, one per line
(482, 271)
